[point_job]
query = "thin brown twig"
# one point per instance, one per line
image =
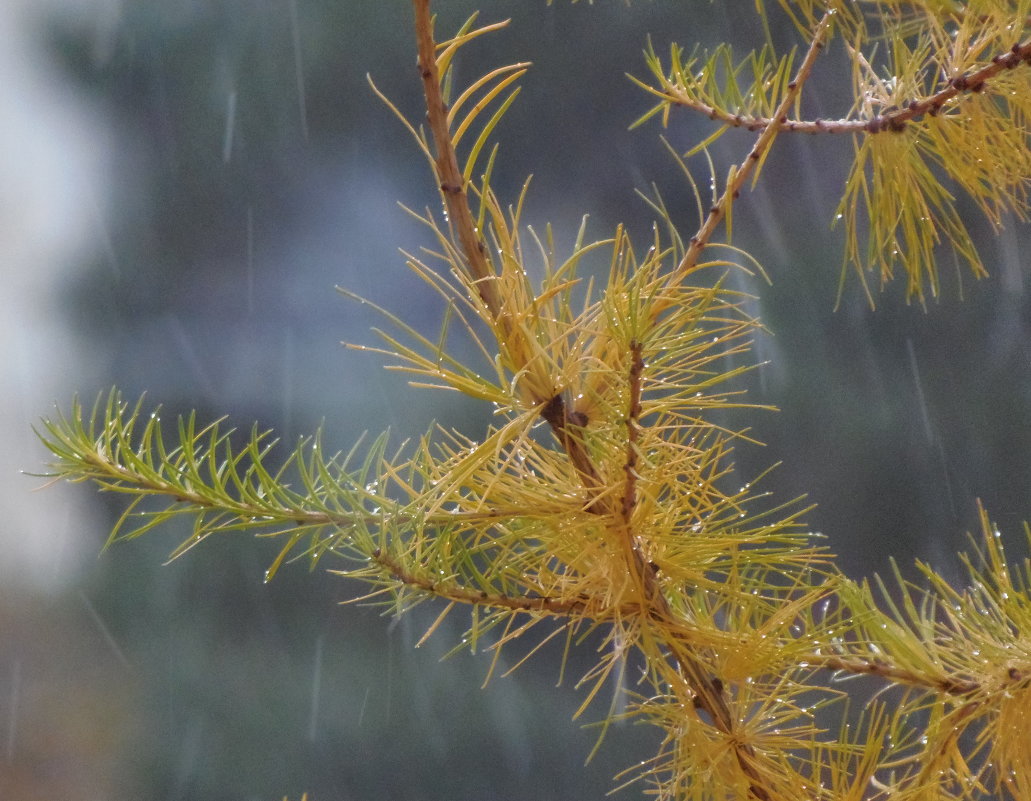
(562, 421)
(451, 181)
(893, 119)
(741, 173)
(893, 674)
(451, 591)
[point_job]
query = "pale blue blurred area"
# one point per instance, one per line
(54, 159)
(183, 185)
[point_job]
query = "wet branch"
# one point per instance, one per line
(451, 591)
(892, 120)
(742, 172)
(452, 183)
(563, 422)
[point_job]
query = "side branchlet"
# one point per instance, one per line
(941, 98)
(602, 499)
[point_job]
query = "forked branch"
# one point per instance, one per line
(893, 119)
(562, 421)
(750, 167)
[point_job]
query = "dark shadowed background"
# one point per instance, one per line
(183, 184)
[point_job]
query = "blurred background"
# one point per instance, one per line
(183, 184)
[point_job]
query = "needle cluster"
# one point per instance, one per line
(602, 501)
(937, 108)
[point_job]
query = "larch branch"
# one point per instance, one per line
(893, 119)
(452, 183)
(452, 591)
(743, 171)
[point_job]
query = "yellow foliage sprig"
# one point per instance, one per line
(942, 109)
(603, 498)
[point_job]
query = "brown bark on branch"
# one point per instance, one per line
(892, 120)
(741, 173)
(451, 182)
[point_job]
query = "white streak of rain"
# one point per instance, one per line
(250, 260)
(316, 689)
(289, 361)
(1011, 263)
(295, 30)
(189, 753)
(921, 398)
(188, 352)
(227, 139)
(12, 715)
(925, 416)
(104, 630)
(361, 711)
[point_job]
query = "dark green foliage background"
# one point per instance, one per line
(218, 295)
